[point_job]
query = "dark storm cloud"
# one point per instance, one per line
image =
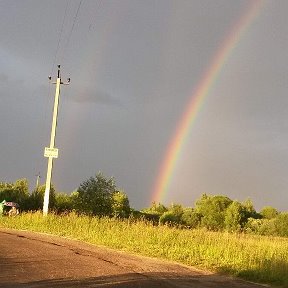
(94, 96)
(146, 57)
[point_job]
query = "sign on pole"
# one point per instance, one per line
(51, 152)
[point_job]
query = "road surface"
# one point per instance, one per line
(40, 260)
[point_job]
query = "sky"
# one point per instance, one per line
(134, 66)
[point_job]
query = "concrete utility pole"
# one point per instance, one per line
(52, 152)
(38, 176)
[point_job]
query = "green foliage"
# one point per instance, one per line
(253, 225)
(154, 213)
(235, 217)
(169, 218)
(212, 209)
(249, 209)
(36, 198)
(267, 227)
(135, 214)
(172, 216)
(6, 186)
(156, 209)
(269, 212)
(75, 201)
(191, 218)
(98, 196)
(275, 227)
(63, 203)
(8, 193)
(281, 224)
(22, 186)
(120, 204)
(95, 195)
(176, 209)
(16, 192)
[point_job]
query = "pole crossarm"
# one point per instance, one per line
(52, 150)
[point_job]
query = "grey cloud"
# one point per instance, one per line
(97, 96)
(3, 78)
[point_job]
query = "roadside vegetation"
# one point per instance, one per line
(252, 257)
(218, 233)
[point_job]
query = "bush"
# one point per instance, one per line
(191, 218)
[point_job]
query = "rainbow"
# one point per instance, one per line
(203, 88)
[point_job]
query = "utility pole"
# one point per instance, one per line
(52, 152)
(38, 176)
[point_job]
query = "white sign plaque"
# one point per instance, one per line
(51, 152)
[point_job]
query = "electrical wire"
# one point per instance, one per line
(56, 55)
(72, 29)
(60, 36)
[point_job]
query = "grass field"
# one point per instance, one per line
(256, 258)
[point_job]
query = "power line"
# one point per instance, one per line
(60, 36)
(72, 28)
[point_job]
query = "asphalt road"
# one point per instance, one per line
(40, 260)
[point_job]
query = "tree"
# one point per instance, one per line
(173, 215)
(15, 192)
(212, 209)
(120, 204)
(169, 217)
(267, 227)
(281, 224)
(155, 209)
(37, 197)
(234, 217)
(250, 211)
(176, 209)
(21, 188)
(269, 212)
(7, 192)
(95, 195)
(63, 202)
(253, 225)
(273, 227)
(191, 218)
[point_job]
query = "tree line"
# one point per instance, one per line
(96, 196)
(99, 196)
(220, 213)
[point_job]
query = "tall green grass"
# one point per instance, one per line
(256, 258)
